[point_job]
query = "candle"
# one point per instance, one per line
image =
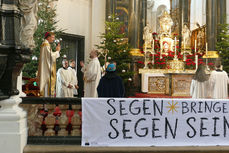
(206, 49)
(196, 61)
(195, 47)
(207, 54)
(161, 47)
(184, 44)
(175, 46)
(153, 46)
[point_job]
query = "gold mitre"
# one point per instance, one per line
(165, 14)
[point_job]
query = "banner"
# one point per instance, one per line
(154, 122)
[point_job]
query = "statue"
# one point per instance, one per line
(166, 23)
(29, 22)
(147, 36)
(186, 33)
(200, 37)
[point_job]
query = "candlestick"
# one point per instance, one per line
(196, 57)
(145, 67)
(207, 55)
(195, 47)
(184, 44)
(161, 47)
(153, 46)
(153, 60)
(206, 49)
(175, 46)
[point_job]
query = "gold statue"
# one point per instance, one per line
(166, 23)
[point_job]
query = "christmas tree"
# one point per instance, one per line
(46, 22)
(222, 45)
(114, 47)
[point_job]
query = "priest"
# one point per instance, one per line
(65, 81)
(219, 83)
(47, 66)
(92, 75)
(72, 68)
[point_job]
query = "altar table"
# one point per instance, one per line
(166, 81)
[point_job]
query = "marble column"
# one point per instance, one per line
(17, 26)
(211, 22)
(185, 12)
(221, 12)
(110, 7)
(137, 21)
(143, 18)
(184, 6)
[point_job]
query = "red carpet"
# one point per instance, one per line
(144, 95)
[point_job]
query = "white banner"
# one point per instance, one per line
(154, 122)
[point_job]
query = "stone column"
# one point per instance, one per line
(143, 18)
(185, 12)
(137, 21)
(184, 16)
(13, 126)
(16, 42)
(221, 11)
(211, 22)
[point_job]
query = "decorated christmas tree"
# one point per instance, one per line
(46, 22)
(222, 45)
(114, 47)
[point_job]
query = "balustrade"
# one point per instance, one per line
(53, 120)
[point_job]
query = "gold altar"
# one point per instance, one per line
(166, 81)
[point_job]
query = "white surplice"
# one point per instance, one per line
(219, 83)
(199, 89)
(75, 80)
(47, 66)
(92, 76)
(64, 79)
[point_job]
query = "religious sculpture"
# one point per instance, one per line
(186, 33)
(166, 23)
(200, 37)
(147, 36)
(29, 22)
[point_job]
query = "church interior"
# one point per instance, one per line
(157, 46)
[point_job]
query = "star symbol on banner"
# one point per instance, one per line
(172, 107)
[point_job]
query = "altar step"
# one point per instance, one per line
(148, 95)
(79, 149)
